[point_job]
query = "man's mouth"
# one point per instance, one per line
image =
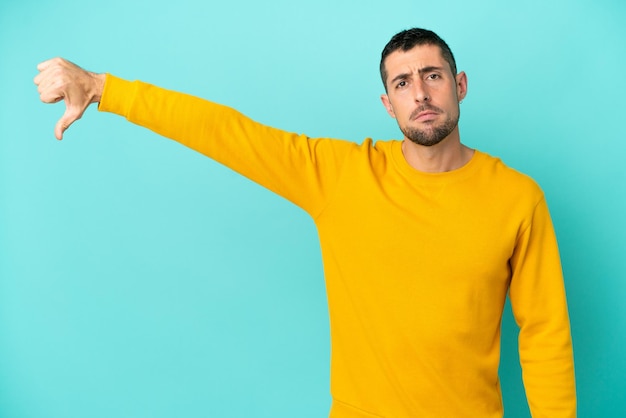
(425, 113)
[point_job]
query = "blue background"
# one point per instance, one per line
(140, 279)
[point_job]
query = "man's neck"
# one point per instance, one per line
(447, 155)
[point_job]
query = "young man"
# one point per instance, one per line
(421, 238)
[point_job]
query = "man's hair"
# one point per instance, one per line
(410, 38)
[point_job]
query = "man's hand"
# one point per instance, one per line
(59, 79)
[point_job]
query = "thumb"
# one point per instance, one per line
(70, 116)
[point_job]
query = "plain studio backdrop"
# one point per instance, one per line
(140, 279)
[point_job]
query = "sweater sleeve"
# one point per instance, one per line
(301, 169)
(539, 305)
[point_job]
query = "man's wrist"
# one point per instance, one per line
(98, 80)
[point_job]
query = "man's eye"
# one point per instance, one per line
(433, 76)
(402, 84)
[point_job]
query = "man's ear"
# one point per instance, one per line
(385, 99)
(461, 85)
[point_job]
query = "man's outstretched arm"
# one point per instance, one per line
(303, 170)
(59, 79)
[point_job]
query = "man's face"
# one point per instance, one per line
(423, 95)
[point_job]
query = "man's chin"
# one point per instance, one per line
(425, 142)
(431, 136)
(425, 139)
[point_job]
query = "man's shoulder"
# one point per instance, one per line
(507, 177)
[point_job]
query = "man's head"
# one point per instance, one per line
(422, 87)
(410, 38)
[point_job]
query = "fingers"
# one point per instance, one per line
(50, 96)
(49, 82)
(46, 81)
(45, 64)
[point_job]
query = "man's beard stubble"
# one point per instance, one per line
(433, 135)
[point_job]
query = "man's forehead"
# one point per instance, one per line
(420, 56)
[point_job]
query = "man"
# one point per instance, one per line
(421, 238)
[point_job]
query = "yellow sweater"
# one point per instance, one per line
(417, 265)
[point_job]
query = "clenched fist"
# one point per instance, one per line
(59, 79)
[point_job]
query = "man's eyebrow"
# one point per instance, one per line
(421, 71)
(430, 69)
(399, 77)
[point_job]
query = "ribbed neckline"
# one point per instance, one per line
(433, 178)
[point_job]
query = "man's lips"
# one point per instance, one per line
(423, 116)
(425, 113)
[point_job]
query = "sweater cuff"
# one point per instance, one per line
(117, 95)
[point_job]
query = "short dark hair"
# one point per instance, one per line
(410, 38)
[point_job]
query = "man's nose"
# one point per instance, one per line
(420, 92)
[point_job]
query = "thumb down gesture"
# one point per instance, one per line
(59, 79)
